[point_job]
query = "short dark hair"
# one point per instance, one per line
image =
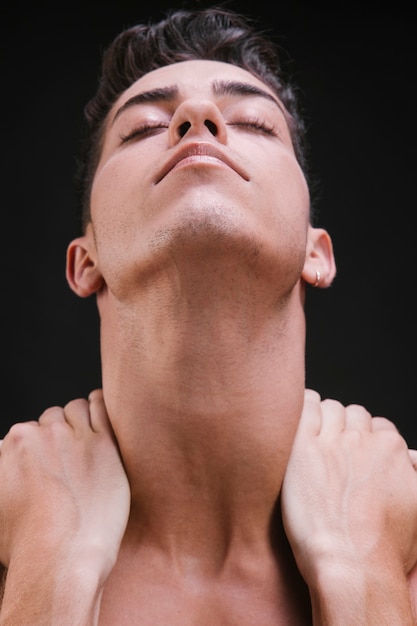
(215, 34)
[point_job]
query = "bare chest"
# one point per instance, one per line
(148, 603)
(181, 611)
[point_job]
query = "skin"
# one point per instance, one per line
(205, 429)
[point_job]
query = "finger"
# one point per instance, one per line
(77, 414)
(358, 418)
(382, 423)
(98, 413)
(413, 457)
(333, 417)
(310, 420)
(51, 415)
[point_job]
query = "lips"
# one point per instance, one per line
(200, 149)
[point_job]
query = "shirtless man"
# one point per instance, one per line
(204, 485)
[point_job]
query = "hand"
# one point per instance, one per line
(63, 486)
(350, 490)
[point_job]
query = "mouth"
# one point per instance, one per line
(203, 153)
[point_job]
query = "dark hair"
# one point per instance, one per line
(213, 34)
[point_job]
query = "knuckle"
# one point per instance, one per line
(311, 394)
(385, 423)
(52, 411)
(393, 440)
(75, 405)
(95, 394)
(330, 402)
(19, 433)
(357, 410)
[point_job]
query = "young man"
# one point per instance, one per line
(203, 485)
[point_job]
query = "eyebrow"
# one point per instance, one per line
(238, 88)
(219, 88)
(161, 94)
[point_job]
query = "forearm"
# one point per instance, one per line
(42, 593)
(373, 596)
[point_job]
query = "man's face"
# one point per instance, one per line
(197, 156)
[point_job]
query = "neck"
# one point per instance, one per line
(204, 387)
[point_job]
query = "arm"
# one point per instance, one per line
(64, 504)
(349, 505)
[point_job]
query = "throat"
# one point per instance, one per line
(217, 379)
(260, 580)
(205, 441)
(203, 376)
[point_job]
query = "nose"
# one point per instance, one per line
(197, 118)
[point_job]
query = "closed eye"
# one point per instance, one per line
(143, 131)
(255, 125)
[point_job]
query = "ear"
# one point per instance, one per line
(82, 273)
(319, 268)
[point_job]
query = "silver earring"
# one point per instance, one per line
(318, 276)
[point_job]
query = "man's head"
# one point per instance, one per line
(195, 151)
(213, 34)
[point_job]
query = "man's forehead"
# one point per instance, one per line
(193, 75)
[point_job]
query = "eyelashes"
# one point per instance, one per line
(255, 125)
(146, 129)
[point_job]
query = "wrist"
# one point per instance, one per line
(62, 588)
(371, 593)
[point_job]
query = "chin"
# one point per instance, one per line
(212, 229)
(218, 242)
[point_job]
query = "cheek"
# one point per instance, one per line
(111, 216)
(283, 193)
(106, 190)
(283, 189)
(118, 194)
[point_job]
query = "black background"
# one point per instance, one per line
(356, 70)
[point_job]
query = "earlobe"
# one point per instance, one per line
(82, 273)
(319, 268)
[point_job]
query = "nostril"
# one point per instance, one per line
(211, 126)
(183, 128)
